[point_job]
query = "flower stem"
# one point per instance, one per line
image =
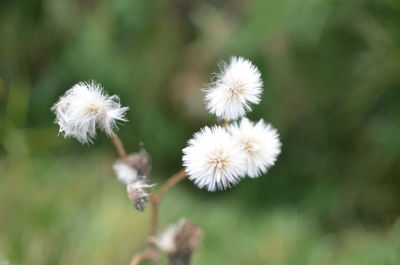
(147, 254)
(118, 145)
(180, 175)
(155, 199)
(154, 215)
(224, 123)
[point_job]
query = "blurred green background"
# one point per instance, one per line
(332, 88)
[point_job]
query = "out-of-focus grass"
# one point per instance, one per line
(71, 210)
(332, 89)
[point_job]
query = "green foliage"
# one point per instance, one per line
(332, 88)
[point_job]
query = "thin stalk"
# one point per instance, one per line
(147, 254)
(155, 199)
(150, 253)
(118, 145)
(154, 215)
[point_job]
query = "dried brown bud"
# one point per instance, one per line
(135, 167)
(138, 192)
(140, 161)
(179, 242)
(133, 172)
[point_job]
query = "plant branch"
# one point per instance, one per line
(118, 145)
(155, 199)
(154, 216)
(180, 175)
(147, 254)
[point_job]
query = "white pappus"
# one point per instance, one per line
(260, 142)
(86, 107)
(213, 160)
(237, 86)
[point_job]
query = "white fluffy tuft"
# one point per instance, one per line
(213, 160)
(86, 107)
(260, 143)
(237, 86)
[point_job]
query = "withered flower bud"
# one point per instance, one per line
(179, 242)
(133, 172)
(138, 193)
(140, 161)
(135, 167)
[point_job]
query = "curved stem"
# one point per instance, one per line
(155, 199)
(180, 175)
(118, 145)
(154, 216)
(147, 254)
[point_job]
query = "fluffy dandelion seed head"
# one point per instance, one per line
(213, 160)
(237, 86)
(86, 107)
(260, 143)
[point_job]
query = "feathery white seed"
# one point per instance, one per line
(260, 142)
(213, 160)
(237, 86)
(86, 107)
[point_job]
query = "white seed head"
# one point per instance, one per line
(213, 160)
(125, 173)
(260, 142)
(86, 107)
(237, 86)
